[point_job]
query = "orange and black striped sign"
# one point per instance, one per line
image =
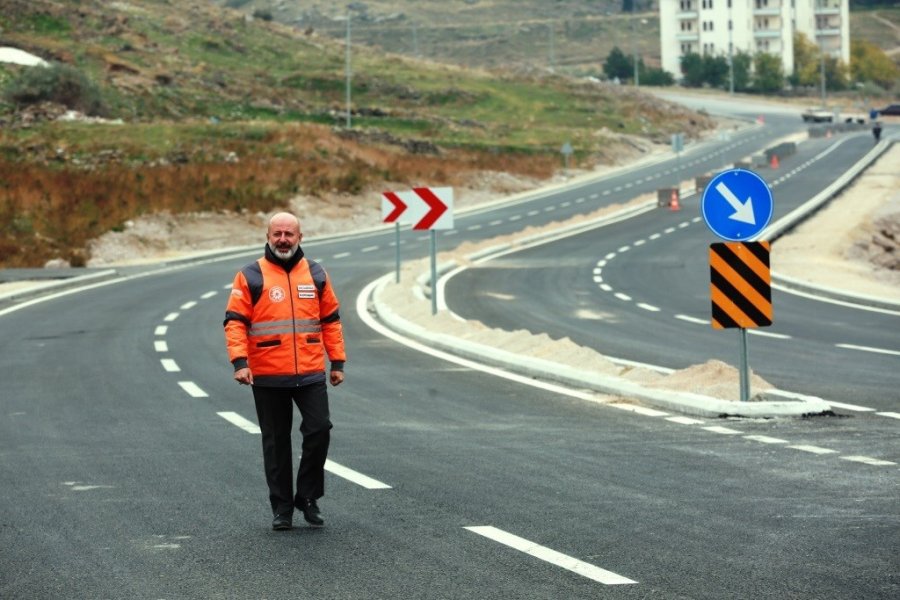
(740, 284)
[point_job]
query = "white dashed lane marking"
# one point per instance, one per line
(553, 557)
(170, 365)
(867, 460)
(241, 422)
(160, 346)
(869, 349)
(193, 389)
(813, 449)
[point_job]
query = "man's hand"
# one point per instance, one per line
(337, 377)
(244, 376)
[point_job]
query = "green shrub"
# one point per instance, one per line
(58, 83)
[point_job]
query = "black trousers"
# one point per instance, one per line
(275, 411)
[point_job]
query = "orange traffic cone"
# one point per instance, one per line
(673, 201)
(774, 162)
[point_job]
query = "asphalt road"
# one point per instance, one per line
(129, 466)
(639, 290)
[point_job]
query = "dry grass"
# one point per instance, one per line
(51, 210)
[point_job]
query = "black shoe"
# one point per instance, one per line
(282, 522)
(311, 512)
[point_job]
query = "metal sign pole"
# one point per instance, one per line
(745, 368)
(397, 247)
(433, 273)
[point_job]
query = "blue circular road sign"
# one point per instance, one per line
(737, 204)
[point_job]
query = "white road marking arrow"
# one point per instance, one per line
(742, 211)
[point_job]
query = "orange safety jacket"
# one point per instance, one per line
(282, 318)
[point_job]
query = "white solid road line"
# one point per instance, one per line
(892, 415)
(853, 407)
(641, 410)
(193, 389)
(551, 556)
(354, 476)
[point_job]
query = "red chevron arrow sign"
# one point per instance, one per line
(424, 208)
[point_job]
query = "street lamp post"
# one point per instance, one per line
(347, 70)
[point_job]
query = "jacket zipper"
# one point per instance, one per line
(293, 321)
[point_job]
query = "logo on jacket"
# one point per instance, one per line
(276, 294)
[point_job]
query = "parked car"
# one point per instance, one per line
(891, 110)
(817, 115)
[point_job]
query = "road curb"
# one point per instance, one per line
(539, 368)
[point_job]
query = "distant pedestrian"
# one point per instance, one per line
(281, 321)
(876, 131)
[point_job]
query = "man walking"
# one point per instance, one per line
(281, 320)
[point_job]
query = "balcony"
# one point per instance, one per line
(828, 7)
(767, 33)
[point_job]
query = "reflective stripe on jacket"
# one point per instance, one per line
(281, 321)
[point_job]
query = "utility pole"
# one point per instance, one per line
(730, 53)
(347, 70)
(634, 44)
(822, 70)
(552, 47)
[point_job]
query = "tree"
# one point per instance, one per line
(768, 73)
(806, 62)
(618, 65)
(837, 74)
(740, 69)
(692, 69)
(654, 76)
(868, 63)
(715, 70)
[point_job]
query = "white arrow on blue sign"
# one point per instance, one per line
(737, 204)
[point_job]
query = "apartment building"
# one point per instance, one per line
(751, 26)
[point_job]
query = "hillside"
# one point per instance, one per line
(209, 109)
(569, 36)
